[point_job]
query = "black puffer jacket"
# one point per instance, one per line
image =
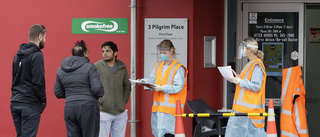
(28, 79)
(77, 79)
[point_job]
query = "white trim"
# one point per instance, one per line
(287, 112)
(252, 46)
(301, 34)
(285, 133)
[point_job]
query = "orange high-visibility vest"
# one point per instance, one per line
(163, 102)
(246, 101)
(293, 121)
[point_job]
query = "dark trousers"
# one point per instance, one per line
(26, 120)
(82, 118)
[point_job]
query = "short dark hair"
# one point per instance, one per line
(35, 30)
(79, 48)
(112, 45)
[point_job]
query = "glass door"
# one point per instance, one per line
(278, 28)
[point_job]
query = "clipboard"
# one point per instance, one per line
(149, 85)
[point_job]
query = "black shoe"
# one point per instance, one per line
(168, 135)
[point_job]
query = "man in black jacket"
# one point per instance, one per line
(28, 98)
(79, 83)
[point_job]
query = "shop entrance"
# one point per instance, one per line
(279, 30)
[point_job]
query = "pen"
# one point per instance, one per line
(141, 78)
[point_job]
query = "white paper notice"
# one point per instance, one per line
(226, 72)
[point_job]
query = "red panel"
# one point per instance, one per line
(208, 21)
(204, 18)
(159, 9)
(56, 16)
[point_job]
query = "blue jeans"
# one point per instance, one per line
(26, 120)
(115, 123)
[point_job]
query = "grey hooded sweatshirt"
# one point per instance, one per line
(78, 79)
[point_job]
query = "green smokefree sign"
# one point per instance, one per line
(100, 26)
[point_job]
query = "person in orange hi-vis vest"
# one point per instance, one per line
(250, 94)
(170, 79)
(293, 121)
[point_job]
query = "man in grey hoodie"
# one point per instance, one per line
(117, 87)
(79, 83)
(28, 89)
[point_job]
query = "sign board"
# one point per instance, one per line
(276, 27)
(273, 56)
(158, 29)
(99, 26)
(314, 35)
(277, 35)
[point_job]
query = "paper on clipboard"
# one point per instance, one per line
(149, 85)
(226, 72)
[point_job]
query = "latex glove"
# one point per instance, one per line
(143, 80)
(235, 80)
(235, 73)
(157, 88)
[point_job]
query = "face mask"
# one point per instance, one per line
(164, 57)
(243, 54)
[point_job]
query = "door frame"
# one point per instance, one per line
(247, 6)
(272, 6)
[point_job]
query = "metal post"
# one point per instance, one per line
(133, 37)
(225, 51)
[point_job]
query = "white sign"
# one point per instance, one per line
(158, 29)
(253, 18)
(294, 55)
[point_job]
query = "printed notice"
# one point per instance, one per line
(158, 29)
(226, 72)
